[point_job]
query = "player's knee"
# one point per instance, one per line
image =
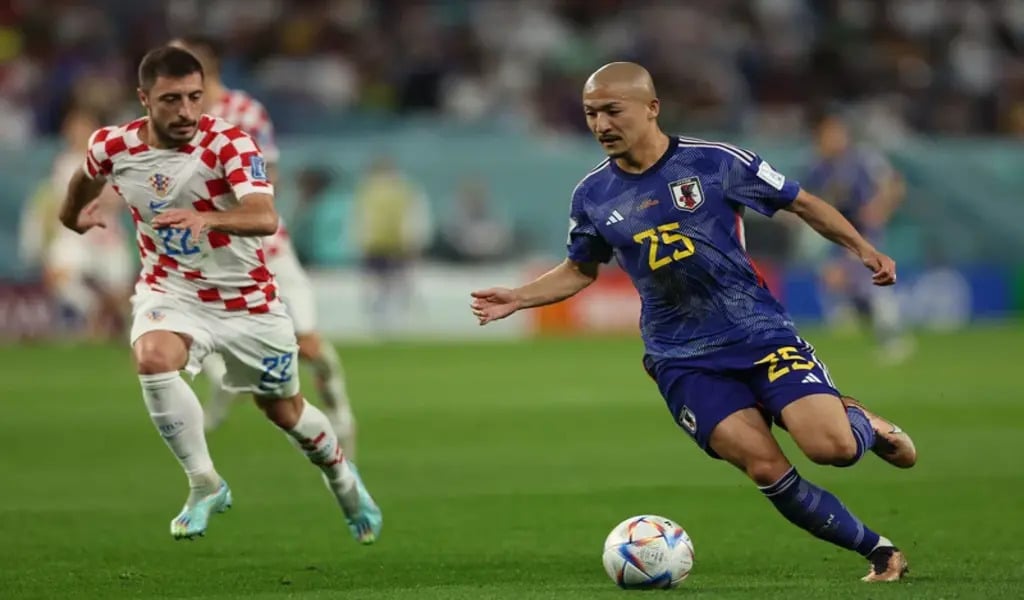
(765, 472)
(832, 449)
(283, 412)
(159, 354)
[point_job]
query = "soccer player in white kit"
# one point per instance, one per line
(198, 192)
(241, 109)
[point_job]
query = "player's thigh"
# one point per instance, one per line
(795, 388)
(820, 427)
(166, 336)
(698, 399)
(260, 354)
(745, 440)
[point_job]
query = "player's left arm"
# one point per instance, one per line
(833, 226)
(245, 171)
(752, 182)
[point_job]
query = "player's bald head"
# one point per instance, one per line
(623, 80)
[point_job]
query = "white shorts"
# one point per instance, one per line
(260, 351)
(294, 288)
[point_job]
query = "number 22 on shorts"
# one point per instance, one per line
(784, 360)
(276, 369)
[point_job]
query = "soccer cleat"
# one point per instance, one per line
(887, 564)
(892, 444)
(192, 520)
(362, 514)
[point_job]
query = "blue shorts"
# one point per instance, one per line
(768, 375)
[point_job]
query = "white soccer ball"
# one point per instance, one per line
(648, 552)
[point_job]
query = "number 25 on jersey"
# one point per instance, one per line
(665, 234)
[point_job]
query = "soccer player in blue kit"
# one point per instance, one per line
(866, 190)
(725, 354)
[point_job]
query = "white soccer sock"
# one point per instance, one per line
(331, 384)
(219, 403)
(316, 439)
(178, 417)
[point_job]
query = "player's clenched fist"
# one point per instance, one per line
(882, 267)
(493, 304)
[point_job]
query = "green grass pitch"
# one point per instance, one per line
(500, 469)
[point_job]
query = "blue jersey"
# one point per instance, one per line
(847, 182)
(677, 230)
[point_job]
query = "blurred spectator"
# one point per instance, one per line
(472, 233)
(322, 209)
(392, 226)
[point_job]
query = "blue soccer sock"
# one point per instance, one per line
(819, 513)
(862, 433)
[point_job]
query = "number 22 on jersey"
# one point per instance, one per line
(177, 241)
(664, 234)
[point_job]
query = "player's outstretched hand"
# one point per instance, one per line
(92, 216)
(493, 304)
(882, 267)
(181, 218)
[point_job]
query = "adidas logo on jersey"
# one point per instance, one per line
(811, 378)
(614, 218)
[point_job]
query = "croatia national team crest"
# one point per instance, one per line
(687, 194)
(160, 184)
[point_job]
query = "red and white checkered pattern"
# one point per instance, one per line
(241, 109)
(212, 172)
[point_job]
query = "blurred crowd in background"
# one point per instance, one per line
(947, 66)
(345, 72)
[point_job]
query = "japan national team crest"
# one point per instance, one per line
(687, 194)
(160, 184)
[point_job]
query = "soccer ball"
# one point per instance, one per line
(648, 552)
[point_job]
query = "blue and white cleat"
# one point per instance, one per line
(365, 519)
(192, 520)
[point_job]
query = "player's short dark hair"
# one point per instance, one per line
(818, 115)
(167, 61)
(210, 46)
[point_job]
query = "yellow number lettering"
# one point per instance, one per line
(788, 355)
(668, 236)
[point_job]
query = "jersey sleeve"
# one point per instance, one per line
(584, 242)
(245, 168)
(752, 182)
(97, 156)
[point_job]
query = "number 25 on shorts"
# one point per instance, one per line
(784, 360)
(665, 234)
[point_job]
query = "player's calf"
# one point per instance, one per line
(330, 383)
(889, 442)
(310, 431)
(828, 432)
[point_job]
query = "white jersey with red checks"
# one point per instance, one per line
(239, 108)
(218, 167)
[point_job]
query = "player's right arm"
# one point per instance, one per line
(78, 212)
(586, 248)
(562, 282)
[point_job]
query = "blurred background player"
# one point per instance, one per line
(90, 275)
(392, 224)
(724, 353)
(866, 190)
(241, 109)
(200, 197)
